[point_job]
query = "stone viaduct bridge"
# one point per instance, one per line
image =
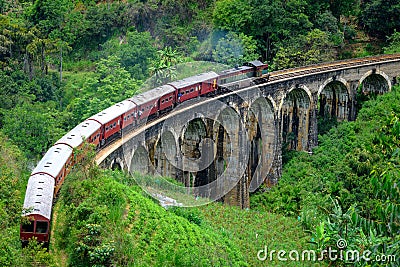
(226, 146)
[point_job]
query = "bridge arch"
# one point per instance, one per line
(375, 81)
(228, 131)
(165, 154)
(191, 139)
(140, 160)
(272, 102)
(334, 99)
(295, 117)
(117, 164)
(260, 125)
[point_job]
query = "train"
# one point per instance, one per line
(48, 176)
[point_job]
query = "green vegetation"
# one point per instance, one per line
(348, 187)
(62, 61)
(108, 219)
(74, 58)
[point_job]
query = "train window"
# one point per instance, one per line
(182, 92)
(106, 129)
(41, 227)
(191, 89)
(27, 227)
(162, 101)
(170, 98)
(187, 91)
(115, 124)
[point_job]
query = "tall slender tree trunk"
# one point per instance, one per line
(61, 61)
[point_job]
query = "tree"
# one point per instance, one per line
(163, 68)
(315, 47)
(343, 7)
(111, 85)
(394, 43)
(375, 12)
(34, 127)
(18, 89)
(268, 22)
(232, 15)
(235, 49)
(136, 51)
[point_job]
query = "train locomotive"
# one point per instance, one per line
(107, 125)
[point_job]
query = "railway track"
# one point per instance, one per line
(316, 68)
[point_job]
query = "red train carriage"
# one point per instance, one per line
(167, 97)
(86, 130)
(130, 115)
(155, 101)
(209, 82)
(195, 86)
(111, 121)
(57, 163)
(37, 208)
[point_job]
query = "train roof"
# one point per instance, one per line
(153, 94)
(75, 137)
(234, 70)
(54, 160)
(39, 195)
(112, 112)
(256, 63)
(202, 77)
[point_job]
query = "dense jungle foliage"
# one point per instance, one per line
(62, 61)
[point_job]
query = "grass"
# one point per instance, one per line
(252, 230)
(142, 233)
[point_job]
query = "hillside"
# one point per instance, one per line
(107, 220)
(61, 61)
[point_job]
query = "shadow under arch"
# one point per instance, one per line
(334, 102)
(294, 113)
(260, 124)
